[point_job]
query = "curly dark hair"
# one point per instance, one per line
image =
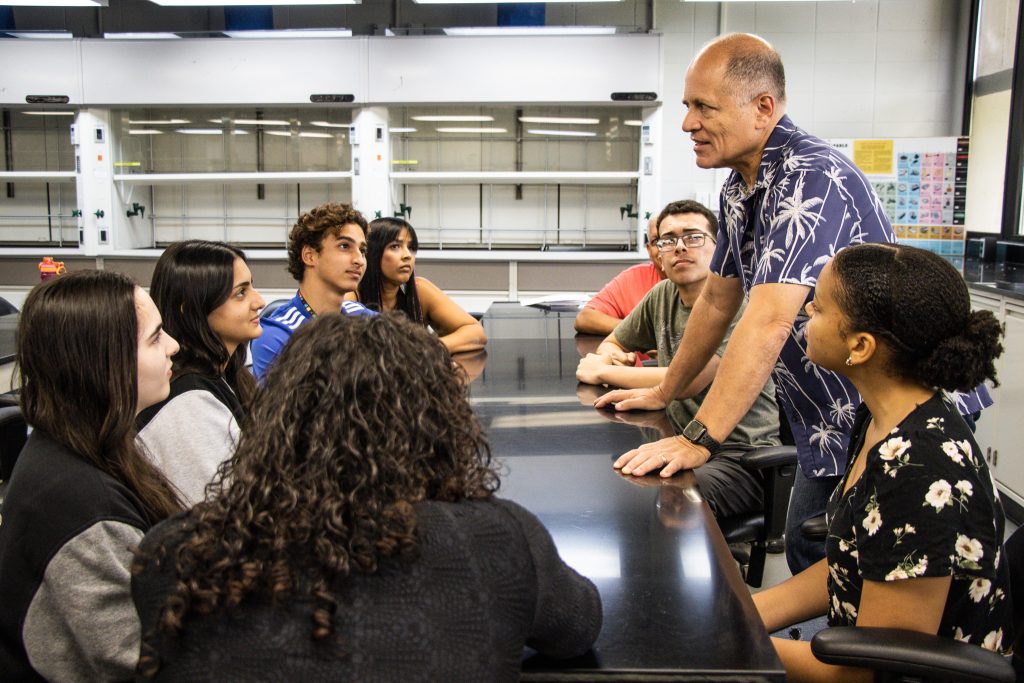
(917, 303)
(313, 226)
(339, 447)
(384, 231)
(690, 206)
(191, 280)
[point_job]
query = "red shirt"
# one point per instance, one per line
(623, 293)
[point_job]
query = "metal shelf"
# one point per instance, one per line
(39, 176)
(513, 177)
(310, 177)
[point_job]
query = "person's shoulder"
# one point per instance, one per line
(49, 477)
(356, 309)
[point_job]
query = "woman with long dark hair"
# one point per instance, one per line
(355, 535)
(915, 525)
(91, 354)
(205, 293)
(391, 284)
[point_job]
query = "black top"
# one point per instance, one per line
(925, 506)
(54, 499)
(487, 580)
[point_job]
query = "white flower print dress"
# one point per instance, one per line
(925, 506)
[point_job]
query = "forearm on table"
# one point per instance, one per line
(592, 321)
(469, 337)
(628, 377)
(796, 599)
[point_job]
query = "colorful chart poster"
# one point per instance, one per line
(922, 184)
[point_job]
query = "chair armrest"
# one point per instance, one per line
(767, 457)
(910, 653)
(815, 528)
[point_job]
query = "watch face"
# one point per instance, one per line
(694, 430)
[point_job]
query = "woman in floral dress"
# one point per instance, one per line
(915, 526)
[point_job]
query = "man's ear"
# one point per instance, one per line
(765, 105)
(309, 255)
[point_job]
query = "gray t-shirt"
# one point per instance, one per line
(658, 322)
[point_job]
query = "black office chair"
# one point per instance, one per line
(898, 655)
(777, 467)
(269, 309)
(13, 434)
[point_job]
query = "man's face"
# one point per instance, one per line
(722, 124)
(652, 234)
(685, 265)
(341, 260)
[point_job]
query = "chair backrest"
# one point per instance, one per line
(13, 434)
(269, 309)
(1013, 553)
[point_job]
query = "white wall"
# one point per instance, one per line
(874, 68)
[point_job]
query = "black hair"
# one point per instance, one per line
(917, 303)
(191, 279)
(384, 231)
(313, 226)
(690, 206)
(77, 354)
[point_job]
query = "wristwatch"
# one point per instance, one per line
(696, 433)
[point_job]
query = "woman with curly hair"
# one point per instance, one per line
(92, 354)
(356, 535)
(915, 526)
(391, 284)
(205, 294)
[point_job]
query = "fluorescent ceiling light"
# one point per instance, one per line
(556, 119)
(566, 133)
(293, 33)
(49, 113)
(461, 119)
(235, 3)
(142, 36)
(144, 131)
(55, 3)
(200, 131)
(529, 30)
(403, 130)
(632, 122)
(315, 135)
(471, 130)
(261, 122)
(328, 124)
(164, 122)
(42, 35)
(280, 133)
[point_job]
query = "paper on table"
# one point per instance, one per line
(563, 300)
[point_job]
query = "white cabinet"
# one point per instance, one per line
(1001, 430)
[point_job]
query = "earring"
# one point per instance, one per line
(849, 360)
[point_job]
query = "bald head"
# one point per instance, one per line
(749, 64)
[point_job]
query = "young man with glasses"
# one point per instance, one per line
(685, 244)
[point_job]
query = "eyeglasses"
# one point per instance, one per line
(691, 240)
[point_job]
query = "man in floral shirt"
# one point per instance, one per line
(790, 204)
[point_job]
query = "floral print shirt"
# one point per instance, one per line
(925, 505)
(809, 202)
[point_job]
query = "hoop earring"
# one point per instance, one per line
(849, 360)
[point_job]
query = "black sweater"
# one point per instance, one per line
(487, 581)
